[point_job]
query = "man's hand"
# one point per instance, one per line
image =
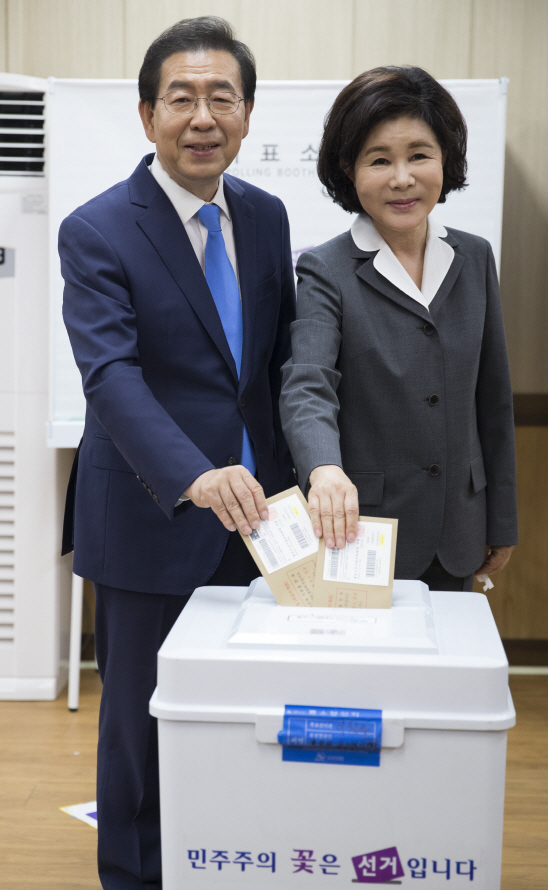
(233, 494)
(495, 559)
(333, 505)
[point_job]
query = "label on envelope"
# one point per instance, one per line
(361, 575)
(366, 560)
(285, 549)
(286, 536)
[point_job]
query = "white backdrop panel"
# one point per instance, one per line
(95, 139)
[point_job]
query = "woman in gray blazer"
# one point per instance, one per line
(397, 400)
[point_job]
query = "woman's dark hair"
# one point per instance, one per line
(384, 94)
(194, 35)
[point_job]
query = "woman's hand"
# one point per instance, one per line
(495, 559)
(333, 504)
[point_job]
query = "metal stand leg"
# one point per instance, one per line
(75, 642)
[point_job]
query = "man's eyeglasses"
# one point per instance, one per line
(180, 102)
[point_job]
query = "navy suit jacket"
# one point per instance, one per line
(164, 403)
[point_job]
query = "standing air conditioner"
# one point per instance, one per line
(34, 581)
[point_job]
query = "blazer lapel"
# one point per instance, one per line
(245, 239)
(451, 277)
(162, 226)
(369, 274)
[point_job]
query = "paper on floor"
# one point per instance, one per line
(86, 812)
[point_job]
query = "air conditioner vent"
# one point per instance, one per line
(18, 96)
(23, 138)
(9, 109)
(7, 536)
(21, 133)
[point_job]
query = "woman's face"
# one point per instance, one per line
(399, 174)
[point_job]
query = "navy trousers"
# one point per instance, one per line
(130, 627)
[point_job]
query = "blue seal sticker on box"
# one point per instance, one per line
(331, 735)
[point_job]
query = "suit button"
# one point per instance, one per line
(231, 461)
(428, 329)
(433, 400)
(155, 497)
(242, 403)
(434, 469)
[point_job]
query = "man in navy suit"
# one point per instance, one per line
(178, 299)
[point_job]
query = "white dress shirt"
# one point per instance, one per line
(187, 205)
(438, 257)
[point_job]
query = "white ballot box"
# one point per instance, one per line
(322, 747)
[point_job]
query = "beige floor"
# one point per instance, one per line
(48, 761)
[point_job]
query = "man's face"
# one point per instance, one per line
(196, 148)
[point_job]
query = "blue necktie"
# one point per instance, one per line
(224, 290)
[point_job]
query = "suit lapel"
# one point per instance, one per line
(245, 239)
(162, 226)
(367, 272)
(451, 277)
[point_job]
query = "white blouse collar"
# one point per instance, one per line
(437, 258)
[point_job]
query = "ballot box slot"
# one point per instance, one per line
(407, 627)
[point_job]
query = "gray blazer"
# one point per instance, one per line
(414, 404)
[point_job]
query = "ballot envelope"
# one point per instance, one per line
(301, 571)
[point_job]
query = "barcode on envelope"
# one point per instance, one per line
(301, 540)
(334, 567)
(370, 564)
(269, 556)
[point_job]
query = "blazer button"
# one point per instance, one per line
(231, 461)
(428, 329)
(434, 469)
(433, 400)
(242, 403)
(155, 497)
